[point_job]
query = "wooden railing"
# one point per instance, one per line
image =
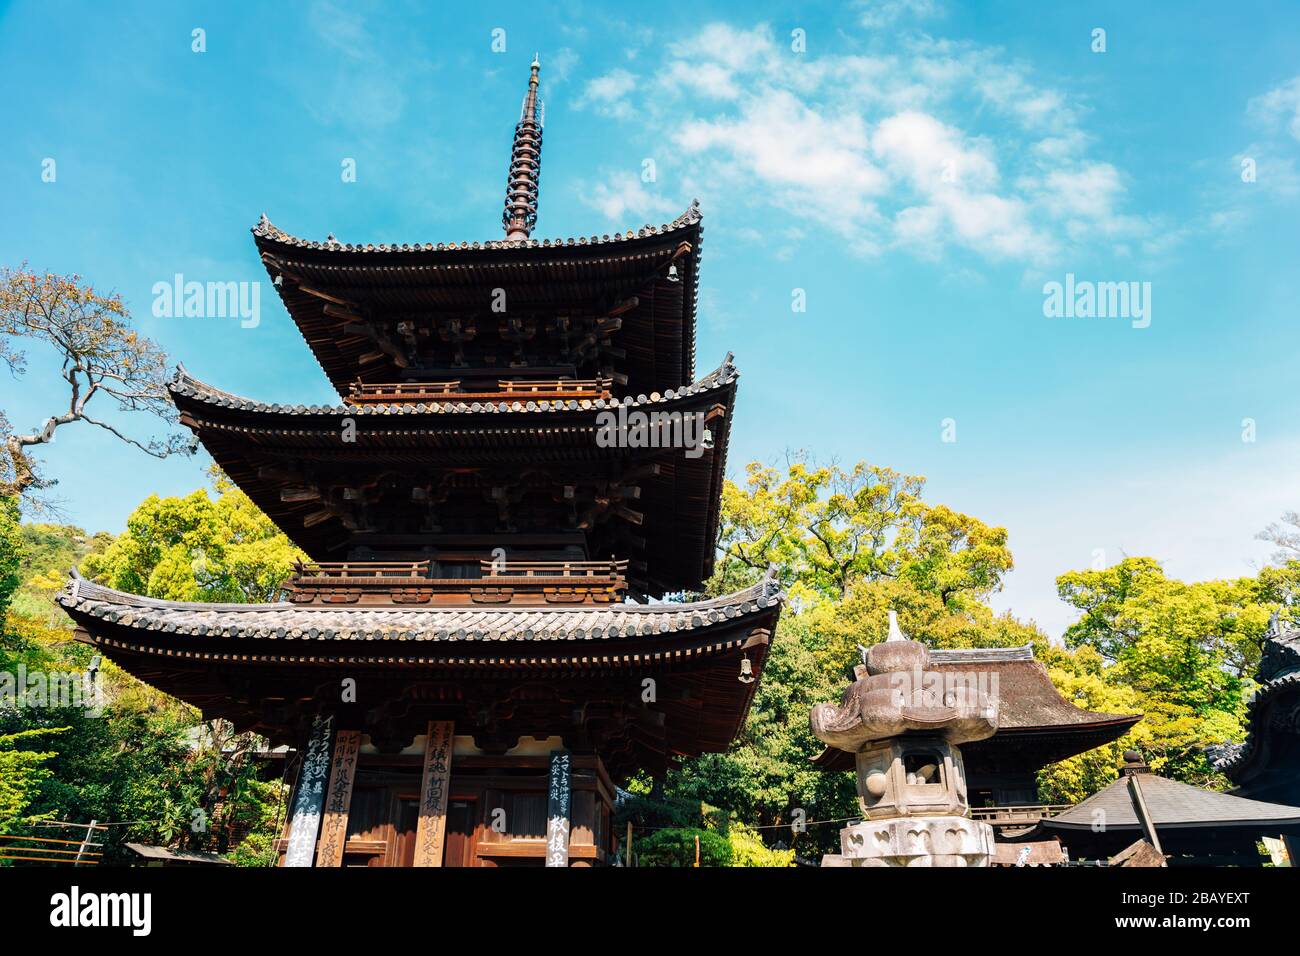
(554, 569)
(406, 393)
(1017, 815)
(49, 850)
(386, 583)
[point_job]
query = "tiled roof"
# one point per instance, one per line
(265, 229)
(1279, 674)
(1171, 804)
(185, 385)
(283, 621)
(1027, 698)
(981, 655)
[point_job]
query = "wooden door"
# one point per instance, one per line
(407, 817)
(462, 823)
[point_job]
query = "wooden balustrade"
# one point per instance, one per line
(407, 393)
(387, 583)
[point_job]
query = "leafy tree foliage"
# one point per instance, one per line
(21, 774)
(198, 549)
(148, 760)
(851, 544)
(1184, 651)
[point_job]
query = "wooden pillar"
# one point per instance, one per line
(431, 830)
(559, 798)
(338, 798)
(309, 798)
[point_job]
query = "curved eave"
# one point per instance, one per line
(1252, 758)
(1060, 740)
(573, 272)
(682, 502)
(563, 638)
(189, 394)
(197, 652)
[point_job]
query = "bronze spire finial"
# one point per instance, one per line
(525, 163)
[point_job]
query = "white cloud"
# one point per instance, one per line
(875, 14)
(624, 199)
(608, 94)
(1280, 106)
(924, 150)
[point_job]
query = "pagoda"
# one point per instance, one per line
(522, 464)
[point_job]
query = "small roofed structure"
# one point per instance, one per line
(1186, 823)
(1036, 725)
(163, 856)
(1267, 765)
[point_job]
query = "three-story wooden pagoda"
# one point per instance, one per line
(521, 459)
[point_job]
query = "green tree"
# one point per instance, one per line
(11, 552)
(848, 546)
(196, 548)
(1186, 650)
(21, 774)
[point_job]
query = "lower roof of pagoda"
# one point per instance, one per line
(1036, 725)
(369, 287)
(294, 463)
(565, 636)
(243, 661)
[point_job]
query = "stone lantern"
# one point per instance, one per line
(903, 723)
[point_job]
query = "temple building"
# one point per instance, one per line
(1184, 824)
(1267, 765)
(521, 462)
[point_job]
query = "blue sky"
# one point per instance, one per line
(921, 169)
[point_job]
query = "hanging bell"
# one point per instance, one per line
(746, 671)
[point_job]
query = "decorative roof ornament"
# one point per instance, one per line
(895, 632)
(520, 214)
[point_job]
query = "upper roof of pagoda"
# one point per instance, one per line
(634, 291)
(617, 306)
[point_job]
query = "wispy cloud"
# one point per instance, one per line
(875, 14)
(942, 145)
(1279, 107)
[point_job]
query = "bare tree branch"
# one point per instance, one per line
(101, 353)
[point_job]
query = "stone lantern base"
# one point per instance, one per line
(914, 841)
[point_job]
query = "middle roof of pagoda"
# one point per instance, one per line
(649, 276)
(293, 463)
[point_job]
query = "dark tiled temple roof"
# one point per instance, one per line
(1171, 804)
(1279, 678)
(265, 229)
(184, 386)
(681, 502)
(583, 274)
(89, 604)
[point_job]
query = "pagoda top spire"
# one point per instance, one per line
(525, 162)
